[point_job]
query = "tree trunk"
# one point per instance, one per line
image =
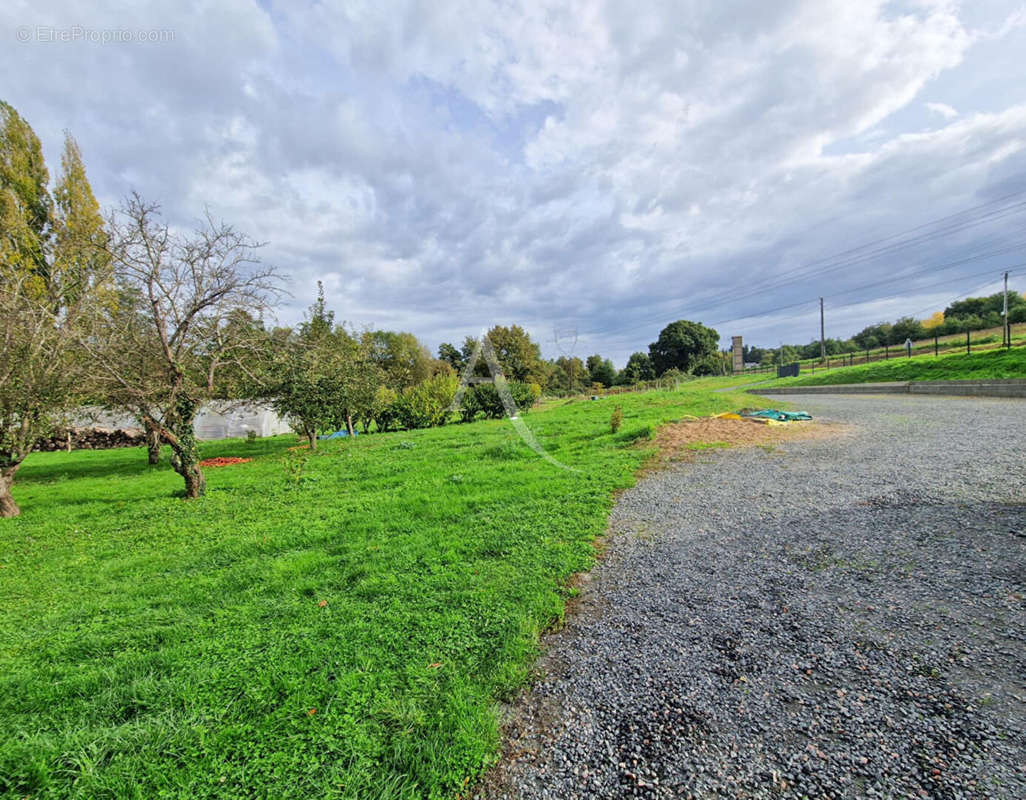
(311, 438)
(153, 444)
(185, 461)
(349, 425)
(184, 450)
(8, 508)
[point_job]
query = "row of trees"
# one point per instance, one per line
(683, 347)
(970, 314)
(136, 315)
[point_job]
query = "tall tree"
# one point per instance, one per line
(192, 292)
(517, 353)
(683, 345)
(80, 244)
(601, 370)
(26, 208)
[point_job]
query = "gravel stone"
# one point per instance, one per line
(823, 618)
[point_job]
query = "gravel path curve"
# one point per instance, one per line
(838, 618)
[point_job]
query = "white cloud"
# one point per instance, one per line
(943, 109)
(444, 165)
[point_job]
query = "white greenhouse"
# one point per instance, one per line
(219, 420)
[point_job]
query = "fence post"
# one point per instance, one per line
(887, 352)
(935, 345)
(968, 344)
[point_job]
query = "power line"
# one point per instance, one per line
(846, 258)
(902, 277)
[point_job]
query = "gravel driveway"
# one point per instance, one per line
(841, 617)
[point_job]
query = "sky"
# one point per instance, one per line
(590, 171)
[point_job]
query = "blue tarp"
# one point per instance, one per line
(338, 435)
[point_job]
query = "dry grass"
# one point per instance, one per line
(683, 440)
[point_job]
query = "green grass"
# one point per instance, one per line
(344, 634)
(973, 366)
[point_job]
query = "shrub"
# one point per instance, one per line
(616, 420)
(484, 398)
(426, 404)
(383, 409)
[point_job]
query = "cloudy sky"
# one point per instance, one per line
(601, 168)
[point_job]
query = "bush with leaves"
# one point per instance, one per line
(426, 404)
(483, 399)
(383, 409)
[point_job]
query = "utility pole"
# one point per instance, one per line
(1007, 332)
(822, 332)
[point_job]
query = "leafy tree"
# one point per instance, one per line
(517, 353)
(785, 354)
(26, 208)
(711, 364)
(569, 374)
(80, 246)
(639, 368)
(753, 355)
(323, 376)
(327, 378)
(44, 302)
(403, 359)
(873, 336)
(189, 287)
(683, 344)
(601, 370)
(935, 320)
(906, 328)
(980, 306)
(383, 409)
(452, 356)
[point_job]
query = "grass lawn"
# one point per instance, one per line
(335, 628)
(973, 366)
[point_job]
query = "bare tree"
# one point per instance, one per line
(189, 306)
(40, 376)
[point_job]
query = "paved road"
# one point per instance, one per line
(838, 617)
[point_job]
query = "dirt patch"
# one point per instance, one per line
(683, 440)
(223, 461)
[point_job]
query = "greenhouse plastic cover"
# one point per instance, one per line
(215, 420)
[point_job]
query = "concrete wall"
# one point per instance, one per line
(984, 388)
